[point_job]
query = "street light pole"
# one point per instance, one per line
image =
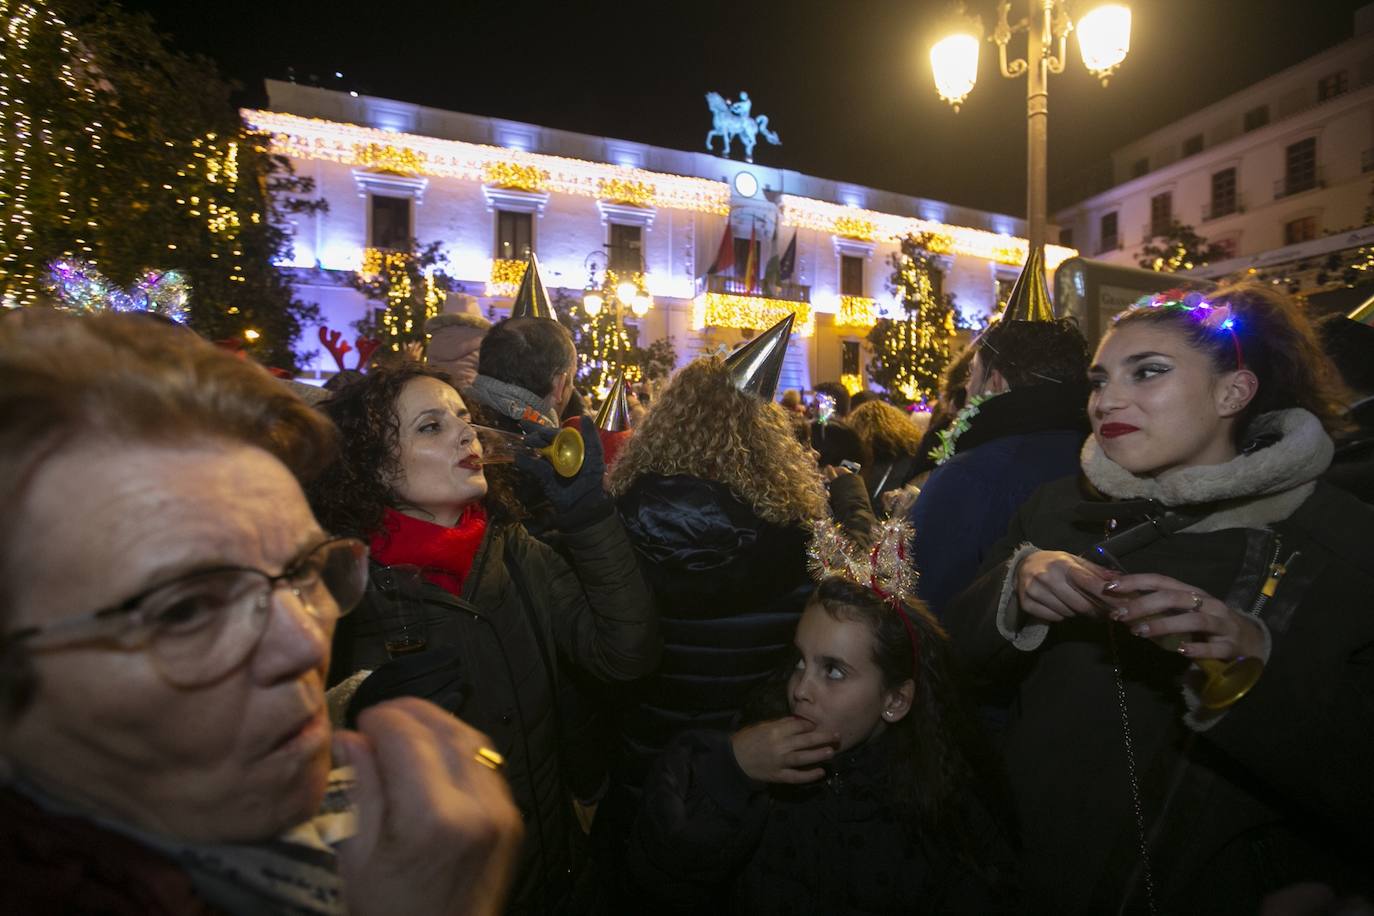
(1037, 120)
(1104, 39)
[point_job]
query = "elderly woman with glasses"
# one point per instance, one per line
(166, 606)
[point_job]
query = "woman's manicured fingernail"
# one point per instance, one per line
(1141, 629)
(1184, 650)
(1111, 586)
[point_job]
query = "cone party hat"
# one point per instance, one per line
(614, 415)
(532, 300)
(1030, 296)
(755, 367)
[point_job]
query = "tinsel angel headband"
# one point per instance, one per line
(885, 568)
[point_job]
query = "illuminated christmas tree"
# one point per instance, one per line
(107, 158)
(910, 352)
(605, 347)
(409, 288)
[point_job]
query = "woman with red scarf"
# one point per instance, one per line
(499, 612)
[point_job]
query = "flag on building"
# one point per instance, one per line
(788, 263)
(725, 256)
(751, 267)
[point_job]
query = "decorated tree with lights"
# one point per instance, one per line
(1180, 248)
(606, 347)
(910, 352)
(409, 287)
(129, 158)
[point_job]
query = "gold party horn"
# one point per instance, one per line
(1226, 682)
(565, 453)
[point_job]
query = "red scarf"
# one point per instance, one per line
(443, 554)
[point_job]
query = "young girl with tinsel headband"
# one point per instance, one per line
(857, 784)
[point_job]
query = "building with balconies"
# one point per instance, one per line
(1278, 174)
(488, 190)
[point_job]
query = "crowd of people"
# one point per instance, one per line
(1093, 635)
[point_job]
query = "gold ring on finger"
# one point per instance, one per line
(489, 758)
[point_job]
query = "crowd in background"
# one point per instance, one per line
(1089, 633)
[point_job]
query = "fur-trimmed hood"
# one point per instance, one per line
(1251, 490)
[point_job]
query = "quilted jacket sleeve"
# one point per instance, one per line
(600, 611)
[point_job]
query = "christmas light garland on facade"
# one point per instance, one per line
(506, 275)
(871, 225)
(316, 138)
(857, 312)
(727, 310)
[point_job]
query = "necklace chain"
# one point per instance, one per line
(1134, 778)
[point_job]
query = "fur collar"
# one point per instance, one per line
(1251, 490)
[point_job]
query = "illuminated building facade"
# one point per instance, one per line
(487, 189)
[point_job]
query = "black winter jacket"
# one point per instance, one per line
(710, 840)
(1274, 792)
(594, 614)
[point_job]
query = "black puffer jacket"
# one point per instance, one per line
(598, 618)
(729, 588)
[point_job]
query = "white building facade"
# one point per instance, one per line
(1275, 173)
(487, 189)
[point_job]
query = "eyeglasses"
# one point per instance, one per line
(201, 626)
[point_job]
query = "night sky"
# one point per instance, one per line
(845, 82)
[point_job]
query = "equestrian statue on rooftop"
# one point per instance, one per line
(733, 119)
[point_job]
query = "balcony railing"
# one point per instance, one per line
(1299, 182)
(1217, 208)
(738, 286)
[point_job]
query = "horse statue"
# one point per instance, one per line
(732, 119)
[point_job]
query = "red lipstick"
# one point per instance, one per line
(1112, 430)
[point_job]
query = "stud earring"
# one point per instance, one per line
(887, 714)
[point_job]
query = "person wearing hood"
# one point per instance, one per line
(455, 340)
(717, 496)
(1021, 426)
(1187, 627)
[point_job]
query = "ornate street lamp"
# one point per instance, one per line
(1104, 38)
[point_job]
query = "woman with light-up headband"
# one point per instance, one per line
(1186, 630)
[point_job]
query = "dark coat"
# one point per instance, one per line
(1017, 442)
(1275, 792)
(594, 614)
(729, 587)
(710, 840)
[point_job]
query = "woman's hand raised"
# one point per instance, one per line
(786, 750)
(1052, 585)
(1210, 628)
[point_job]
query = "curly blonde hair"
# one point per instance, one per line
(703, 426)
(886, 431)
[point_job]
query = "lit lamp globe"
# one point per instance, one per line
(641, 304)
(1104, 37)
(626, 291)
(592, 303)
(954, 60)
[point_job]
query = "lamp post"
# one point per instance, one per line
(1104, 38)
(624, 294)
